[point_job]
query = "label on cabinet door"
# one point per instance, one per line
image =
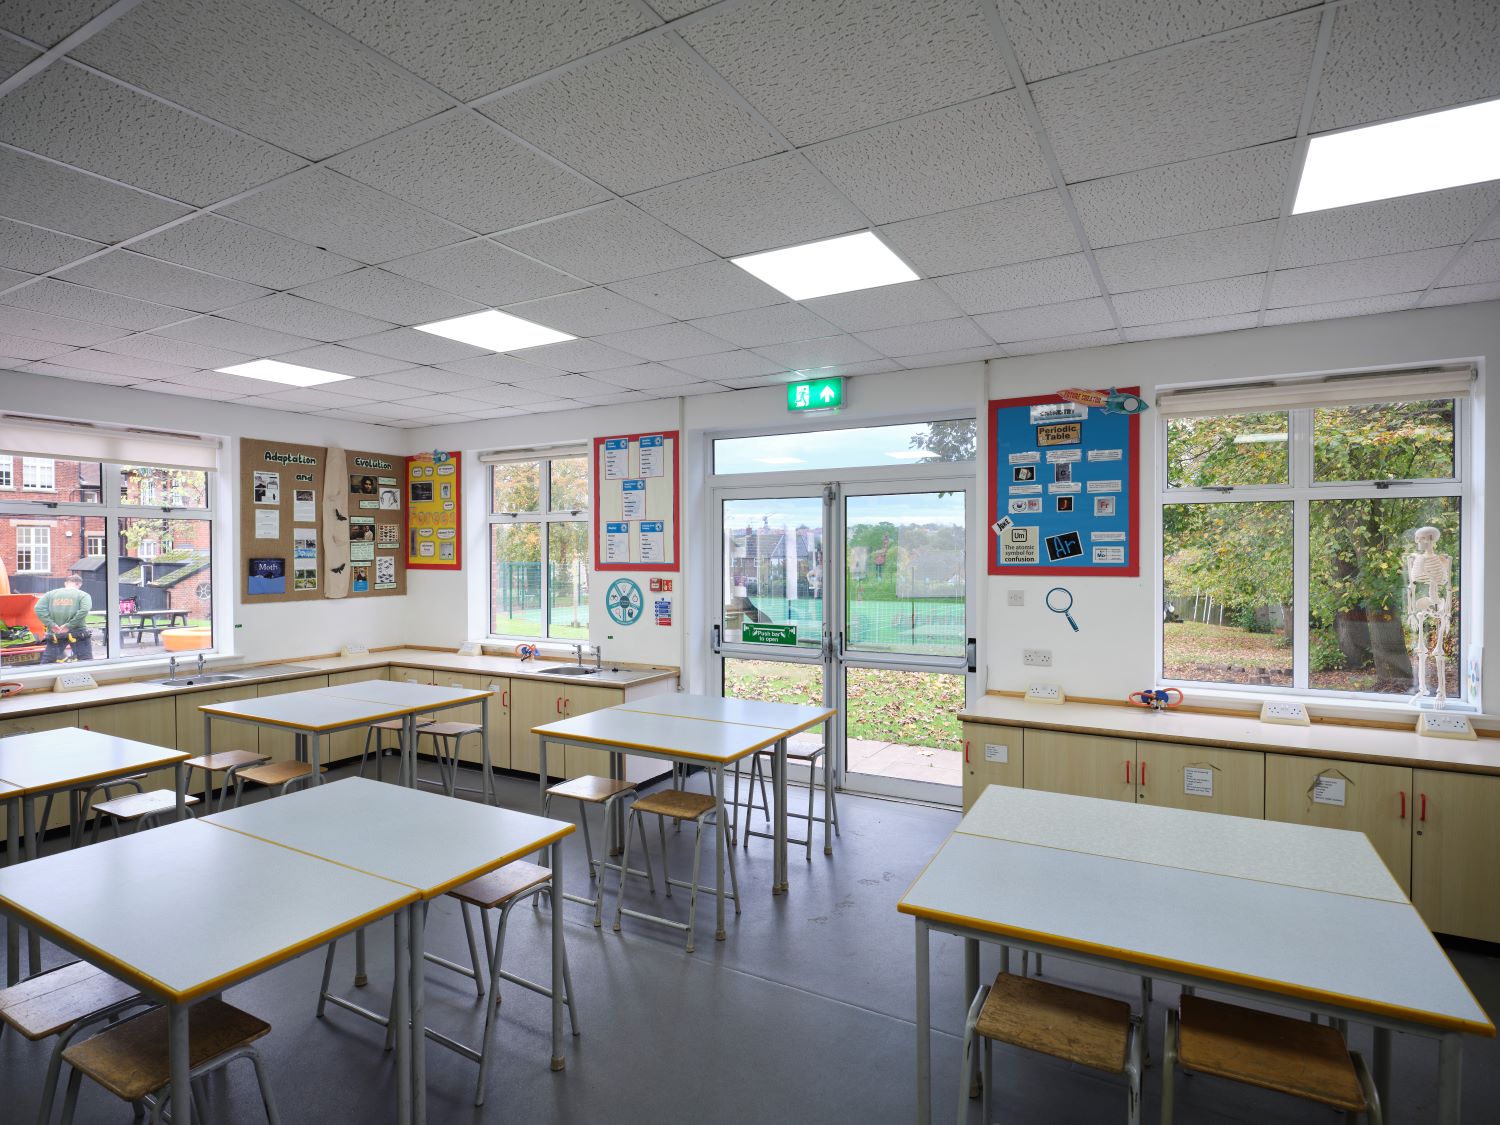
(1198, 781)
(998, 754)
(1329, 791)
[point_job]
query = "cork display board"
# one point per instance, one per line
(377, 523)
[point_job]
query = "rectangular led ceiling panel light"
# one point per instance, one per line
(494, 331)
(274, 371)
(834, 265)
(1437, 150)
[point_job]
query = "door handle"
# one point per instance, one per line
(567, 706)
(1127, 771)
(1143, 775)
(717, 639)
(966, 751)
(505, 699)
(971, 652)
(1403, 804)
(559, 705)
(1423, 817)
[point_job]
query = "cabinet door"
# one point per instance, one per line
(1083, 764)
(532, 703)
(351, 743)
(280, 745)
(992, 756)
(148, 720)
(412, 675)
(1203, 778)
(1373, 799)
(52, 720)
(1456, 851)
(580, 699)
(499, 710)
(226, 735)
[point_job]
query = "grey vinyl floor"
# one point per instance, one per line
(803, 1015)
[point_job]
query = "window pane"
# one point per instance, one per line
(1384, 441)
(516, 579)
(516, 487)
(906, 573)
(570, 484)
(163, 488)
(44, 620)
(775, 681)
(568, 580)
(773, 566)
(1227, 450)
(1227, 593)
(917, 443)
(1362, 627)
(41, 478)
(166, 586)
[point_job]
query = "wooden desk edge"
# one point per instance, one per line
(235, 716)
(580, 740)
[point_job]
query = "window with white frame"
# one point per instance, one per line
(33, 548)
(539, 536)
(7, 474)
(38, 474)
(1288, 516)
(94, 546)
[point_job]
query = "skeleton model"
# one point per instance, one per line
(1429, 591)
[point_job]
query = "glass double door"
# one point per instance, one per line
(855, 597)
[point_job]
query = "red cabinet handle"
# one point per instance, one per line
(559, 705)
(966, 751)
(1127, 771)
(505, 699)
(568, 705)
(1403, 804)
(1424, 808)
(1143, 773)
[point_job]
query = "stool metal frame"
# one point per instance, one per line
(447, 740)
(230, 762)
(377, 731)
(597, 868)
(165, 804)
(757, 775)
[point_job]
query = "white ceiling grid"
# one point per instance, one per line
(188, 184)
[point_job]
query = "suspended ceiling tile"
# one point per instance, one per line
(1479, 264)
(220, 333)
(188, 390)
(306, 318)
(1062, 319)
(1070, 342)
(183, 352)
(935, 336)
(991, 234)
(1023, 285)
(78, 374)
(133, 366)
(1388, 226)
(1201, 256)
(1223, 297)
(576, 356)
(664, 342)
(1200, 327)
(342, 360)
(210, 384)
(330, 211)
(13, 56)
(466, 170)
(16, 349)
(13, 277)
(587, 312)
(1195, 195)
(269, 69)
(35, 325)
(470, 47)
(688, 390)
(776, 324)
(940, 161)
(1366, 277)
(564, 386)
(500, 368)
(608, 243)
(867, 367)
(1390, 58)
(81, 119)
(482, 271)
(59, 298)
(390, 410)
(885, 306)
(413, 346)
(702, 290)
(827, 351)
(640, 376)
(1463, 294)
(925, 360)
(722, 366)
(615, 399)
(388, 296)
(434, 380)
(127, 273)
(397, 387)
(62, 199)
(822, 68)
(309, 397)
(1330, 310)
(35, 250)
(48, 22)
(446, 403)
(219, 245)
(766, 204)
(1056, 36)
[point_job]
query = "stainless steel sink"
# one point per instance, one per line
(193, 681)
(570, 670)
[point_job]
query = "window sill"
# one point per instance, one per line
(111, 671)
(1249, 700)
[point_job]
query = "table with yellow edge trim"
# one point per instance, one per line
(695, 730)
(1289, 914)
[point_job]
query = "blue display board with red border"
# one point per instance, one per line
(1063, 489)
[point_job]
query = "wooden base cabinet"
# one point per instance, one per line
(280, 745)
(532, 703)
(499, 688)
(992, 756)
(580, 699)
(1373, 799)
(1082, 764)
(148, 720)
(1456, 852)
(1201, 778)
(53, 720)
(414, 675)
(348, 745)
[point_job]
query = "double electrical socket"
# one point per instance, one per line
(74, 681)
(1282, 711)
(1435, 724)
(1036, 657)
(1044, 693)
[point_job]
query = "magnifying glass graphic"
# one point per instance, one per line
(1062, 603)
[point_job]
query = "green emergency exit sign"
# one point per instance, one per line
(815, 394)
(755, 634)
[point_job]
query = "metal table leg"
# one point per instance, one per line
(971, 987)
(401, 1015)
(541, 765)
(418, 1017)
(180, 772)
(778, 871)
(33, 845)
(616, 842)
(12, 856)
(488, 789)
(924, 1027)
(177, 1042)
(317, 774)
(1381, 1067)
(1450, 1077)
(719, 845)
(558, 956)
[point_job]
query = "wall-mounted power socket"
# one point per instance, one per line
(74, 681)
(1435, 724)
(1036, 657)
(1044, 693)
(470, 648)
(355, 649)
(1015, 597)
(1284, 711)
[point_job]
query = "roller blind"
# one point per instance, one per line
(87, 441)
(534, 453)
(1334, 390)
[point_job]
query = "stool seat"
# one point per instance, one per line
(678, 804)
(49, 1004)
(225, 760)
(1271, 1051)
(1079, 1027)
(399, 724)
(449, 730)
(501, 885)
(278, 773)
(131, 1059)
(590, 788)
(134, 806)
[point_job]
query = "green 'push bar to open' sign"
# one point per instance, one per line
(815, 394)
(755, 634)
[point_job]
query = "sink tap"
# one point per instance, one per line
(200, 664)
(598, 660)
(172, 668)
(578, 654)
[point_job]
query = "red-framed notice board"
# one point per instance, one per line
(434, 511)
(636, 502)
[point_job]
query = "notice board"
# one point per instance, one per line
(1063, 496)
(377, 523)
(636, 496)
(434, 511)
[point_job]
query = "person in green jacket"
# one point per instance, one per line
(64, 614)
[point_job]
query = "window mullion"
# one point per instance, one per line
(1300, 461)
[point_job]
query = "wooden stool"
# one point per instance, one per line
(230, 762)
(1274, 1052)
(591, 790)
(680, 805)
(376, 731)
(137, 808)
(446, 740)
(1078, 1027)
(63, 1002)
(131, 1060)
(806, 754)
(82, 795)
(282, 774)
